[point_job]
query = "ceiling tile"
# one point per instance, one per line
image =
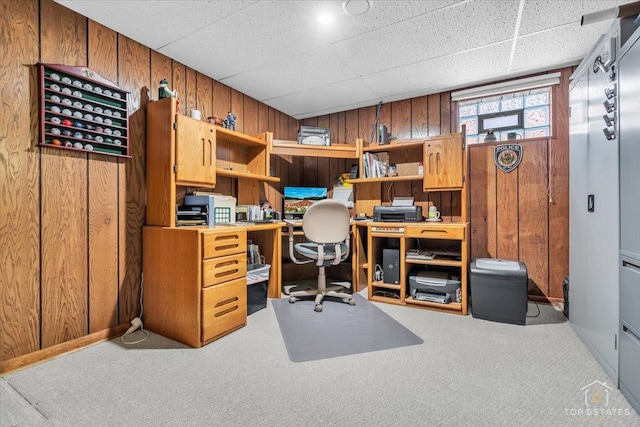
(539, 15)
(430, 36)
(563, 45)
(314, 102)
(312, 69)
(449, 72)
(146, 21)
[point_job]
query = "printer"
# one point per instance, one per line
(397, 213)
(434, 286)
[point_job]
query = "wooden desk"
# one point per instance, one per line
(195, 285)
(446, 236)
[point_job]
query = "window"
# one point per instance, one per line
(526, 113)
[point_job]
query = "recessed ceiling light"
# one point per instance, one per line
(325, 19)
(356, 7)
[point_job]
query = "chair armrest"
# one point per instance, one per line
(292, 253)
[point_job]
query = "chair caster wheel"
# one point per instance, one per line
(318, 308)
(292, 300)
(352, 302)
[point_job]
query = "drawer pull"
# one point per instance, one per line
(632, 336)
(227, 263)
(434, 230)
(630, 266)
(227, 247)
(227, 273)
(227, 237)
(227, 311)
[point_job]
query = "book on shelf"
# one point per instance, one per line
(375, 165)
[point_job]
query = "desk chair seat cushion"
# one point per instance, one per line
(310, 250)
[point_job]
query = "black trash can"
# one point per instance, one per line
(499, 290)
(257, 286)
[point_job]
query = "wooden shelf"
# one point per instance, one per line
(402, 144)
(386, 179)
(386, 285)
(238, 138)
(336, 151)
(453, 306)
(246, 175)
(441, 262)
(386, 300)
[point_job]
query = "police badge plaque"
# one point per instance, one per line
(507, 156)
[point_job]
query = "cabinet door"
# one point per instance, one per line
(443, 163)
(195, 152)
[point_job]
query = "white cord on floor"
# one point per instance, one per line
(146, 335)
(137, 322)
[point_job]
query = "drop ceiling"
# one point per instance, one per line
(278, 53)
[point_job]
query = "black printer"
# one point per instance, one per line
(397, 213)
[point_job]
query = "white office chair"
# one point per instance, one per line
(326, 226)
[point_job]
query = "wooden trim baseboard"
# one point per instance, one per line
(48, 353)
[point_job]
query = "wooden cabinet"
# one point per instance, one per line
(195, 156)
(449, 244)
(180, 152)
(443, 163)
(444, 169)
(195, 287)
(184, 152)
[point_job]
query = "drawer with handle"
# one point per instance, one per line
(438, 231)
(223, 269)
(224, 309)
(221, 244)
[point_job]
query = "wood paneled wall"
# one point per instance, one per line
(71, 222)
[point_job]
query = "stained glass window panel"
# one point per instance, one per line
(472, 125)
(535, 99)
(536, 132)
(536, 117)
(512, 103)
(489, 107)
(472, 139)
(469, 110)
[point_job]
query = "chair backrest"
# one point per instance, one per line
(326, 221)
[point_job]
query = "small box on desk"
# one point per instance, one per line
(499, 290)
(220, 208)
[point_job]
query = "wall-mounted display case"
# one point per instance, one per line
(80, 110)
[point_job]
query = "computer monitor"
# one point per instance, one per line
(298, 199)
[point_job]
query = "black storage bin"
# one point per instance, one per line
(257, 284)
(499, 290)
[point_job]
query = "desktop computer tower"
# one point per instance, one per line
(391, 266)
